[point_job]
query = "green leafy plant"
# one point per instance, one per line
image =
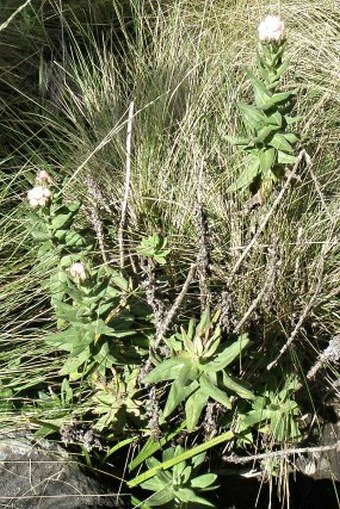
(179, 486)
(197, 369)
(55, 408)
(269, 146)
(119, 401)
(154, 247)
(91, 304)
(277, 412)
(97, 314)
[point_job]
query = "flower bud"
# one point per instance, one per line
(271, 29)
(39, 196)
(78, 271)
(43, 178)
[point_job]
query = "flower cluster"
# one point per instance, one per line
(78, 271)
(272, 29)
(40, 194)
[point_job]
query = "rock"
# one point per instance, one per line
(325, 462)
(44, 476)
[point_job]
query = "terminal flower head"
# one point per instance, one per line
(78, 271)
(43, 178)
(39, 196)
(271, 29)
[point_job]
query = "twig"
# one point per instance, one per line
(266, 286)
(330, 354)
(98, 202)
(242, 460)
(203, 258)
(151, 290)
(179, 299)
(122, 223)
(302, 318)
(302, 155)
(163, 325)
(204, 248)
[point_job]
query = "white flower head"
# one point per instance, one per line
(271, 29)
(78, 271)
(39, 196)
(43, 178)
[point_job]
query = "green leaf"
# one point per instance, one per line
(155, 484)
(178, 471)
(227, 356)
(235, 386)
(275, 119)
(237, 140)
(254, 417)
(260, 90)
(291, 120)
(73, 239)
(197, 460)
(210, 390)
(186, 474)
(61, 220)
(177, 394)
(291, 138)
(267, 160)
(201, 501)
(189, 371)
(65, 339)
(280, 70)
(280, 143)
(40, 236)
(213, 344)
(275, 99)
(204, 322)
(264, 133)
(166, 370)
(162, 497)
(73, 364)
(253, 117)
(193, 408)
(283, 158)
(185, 495)
(203, 481)
(246, 177)
(66, 311)
(263, 71)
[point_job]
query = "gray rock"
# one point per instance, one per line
(44, 476)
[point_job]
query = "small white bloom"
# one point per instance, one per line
(78, 271)
(43, 178)
(271, 29)
(39, 196)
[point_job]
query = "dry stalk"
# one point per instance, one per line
(98, 202)
(163, 321)
(305, 312)
(330, 354)
(123, 219)
(242, 460)
(203, 258)
(152, 291)
(175, 307)
(266, 288)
